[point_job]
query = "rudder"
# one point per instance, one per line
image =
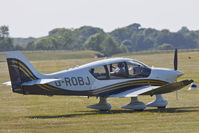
(20, 70)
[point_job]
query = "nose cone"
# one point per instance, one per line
(179, 73)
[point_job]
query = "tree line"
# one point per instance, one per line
(127, 39)
(6, 43)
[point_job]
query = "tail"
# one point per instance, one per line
(20, 70)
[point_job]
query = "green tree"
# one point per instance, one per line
(6, 43)
(45, 44)
(94, 42)
(31, 46)
(135, 26)
(123, 48)
(184, 29)
(4, 31)
(110, 46)
(128, 45)
(165, 46)
(18, 47)
(103, 43)
(130, 38)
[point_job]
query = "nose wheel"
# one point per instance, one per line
(163, 107)
(135, 104)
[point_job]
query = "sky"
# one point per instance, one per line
(35, 18)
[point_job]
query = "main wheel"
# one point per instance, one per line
(163, 107)
(140, 110)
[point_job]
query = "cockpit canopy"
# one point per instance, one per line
(121, 70)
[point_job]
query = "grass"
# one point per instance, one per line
(43, 114)
(54, 55)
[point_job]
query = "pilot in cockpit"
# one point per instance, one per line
(120, 70)
(135, 71)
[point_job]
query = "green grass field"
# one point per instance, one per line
(43, 114)
(54, 55)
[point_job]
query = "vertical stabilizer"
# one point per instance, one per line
(20, 69)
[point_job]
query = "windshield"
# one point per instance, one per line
(138, 70)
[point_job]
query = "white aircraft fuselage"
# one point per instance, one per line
(100, 78)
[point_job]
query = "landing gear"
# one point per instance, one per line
(103, 105)
(162, 107)
(159, 102)
(135, 104)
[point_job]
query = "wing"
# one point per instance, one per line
(152, 90)
(169, 87)
(35, 82)
(135, 92)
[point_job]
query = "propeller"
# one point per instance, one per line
(176, 59)
(176, 66)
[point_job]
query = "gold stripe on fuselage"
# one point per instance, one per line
(130, 83)
(133, 82)
(43, 87)
(50, 87)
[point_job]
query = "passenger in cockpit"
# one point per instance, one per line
(137, 70)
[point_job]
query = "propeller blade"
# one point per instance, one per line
(176, 59)
(176, 66)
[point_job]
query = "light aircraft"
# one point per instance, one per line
(107, 78)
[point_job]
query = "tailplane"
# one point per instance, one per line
(20, 70)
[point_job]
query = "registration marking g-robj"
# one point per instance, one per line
(114, 77)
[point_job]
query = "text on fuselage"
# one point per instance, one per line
(74, 81)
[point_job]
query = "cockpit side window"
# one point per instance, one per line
(138, 70)
(118, 70)
(100, 72)
(121, 70)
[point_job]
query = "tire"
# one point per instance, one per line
(163, 107)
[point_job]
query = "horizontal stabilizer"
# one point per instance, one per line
(39, 81)
(7, 83)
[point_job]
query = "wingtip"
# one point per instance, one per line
(190, 81)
